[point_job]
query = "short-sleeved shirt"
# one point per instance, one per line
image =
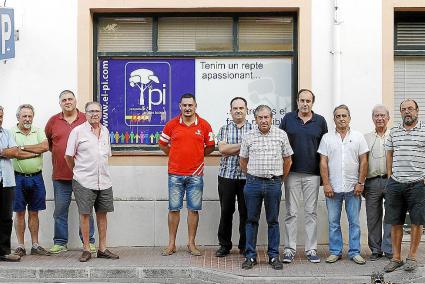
(408, 148)
(304, 139)
(35, 136)
(57, 132)
(7, 175)
(91, 156)
(377, 165)
(343, 158)
(187, 144)
(265, 151)
(232, 134)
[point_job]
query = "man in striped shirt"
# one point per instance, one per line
(405, 188)
(231, 180)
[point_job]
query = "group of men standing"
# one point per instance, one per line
(256, 161)
(302, 155)
(80, 150)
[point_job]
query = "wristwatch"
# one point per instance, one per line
(362, 184)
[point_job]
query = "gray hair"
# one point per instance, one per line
(92, 103)
(260, 108)
(342, 107)
(1, 108)
(18, 111)
(380, 106)
(66, 92)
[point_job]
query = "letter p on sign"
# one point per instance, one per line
(7, 37)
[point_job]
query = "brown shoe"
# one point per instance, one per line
(107, 254)
(194, 251)
(20, 251)
(85, 256)
(10, 258)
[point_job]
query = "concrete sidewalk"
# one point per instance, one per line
(145, 264)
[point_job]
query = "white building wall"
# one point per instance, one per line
(45, 64)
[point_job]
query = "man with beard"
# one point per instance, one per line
(231, 180)
(30, 192)
(405, 187)
(186, 139)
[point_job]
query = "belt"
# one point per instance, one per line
(382, 176)
(27, 175)
(267, 178)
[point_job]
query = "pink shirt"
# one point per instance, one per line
(91, 156)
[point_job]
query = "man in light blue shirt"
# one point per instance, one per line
(8, 150)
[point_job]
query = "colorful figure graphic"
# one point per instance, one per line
(126, 136)
(156, 137)
(122, 138)
(117, 137)
(131, 137)
(111, 137)
(146, 138)
(137, 137)
(152, 137)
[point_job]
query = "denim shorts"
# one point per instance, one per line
(178, 185)
(405, 197)
(29, 191)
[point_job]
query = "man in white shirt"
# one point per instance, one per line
(87, 153)
(343, 168)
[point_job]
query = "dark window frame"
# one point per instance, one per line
(235, 53)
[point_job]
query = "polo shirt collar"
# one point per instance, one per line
(196, 119)
(313, 117)
(17, 130)
(418, 125)
(261, 133)
(79, 113)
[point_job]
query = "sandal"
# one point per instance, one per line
(194, 251)
(410, 264)
(167, 251)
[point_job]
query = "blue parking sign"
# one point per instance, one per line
(7, 34)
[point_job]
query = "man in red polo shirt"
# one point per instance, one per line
(186, 139)
(57, 131)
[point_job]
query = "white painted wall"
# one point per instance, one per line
(45, 64)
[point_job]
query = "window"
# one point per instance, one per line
(146, 62)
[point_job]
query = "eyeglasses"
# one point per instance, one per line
(409, 109)
(341, 115)
(93, 111)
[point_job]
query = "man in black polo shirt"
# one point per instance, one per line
(305, 130)
(405, 147)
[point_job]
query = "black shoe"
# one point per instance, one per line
(275, 263)
(222, 252)
(375, 256)
(249, 263)
(388, 255)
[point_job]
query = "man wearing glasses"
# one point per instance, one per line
(374, 191)
(405, 187)
(87, 153)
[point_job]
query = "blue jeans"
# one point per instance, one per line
(352, 208)
(256, 189)
(63, 192)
